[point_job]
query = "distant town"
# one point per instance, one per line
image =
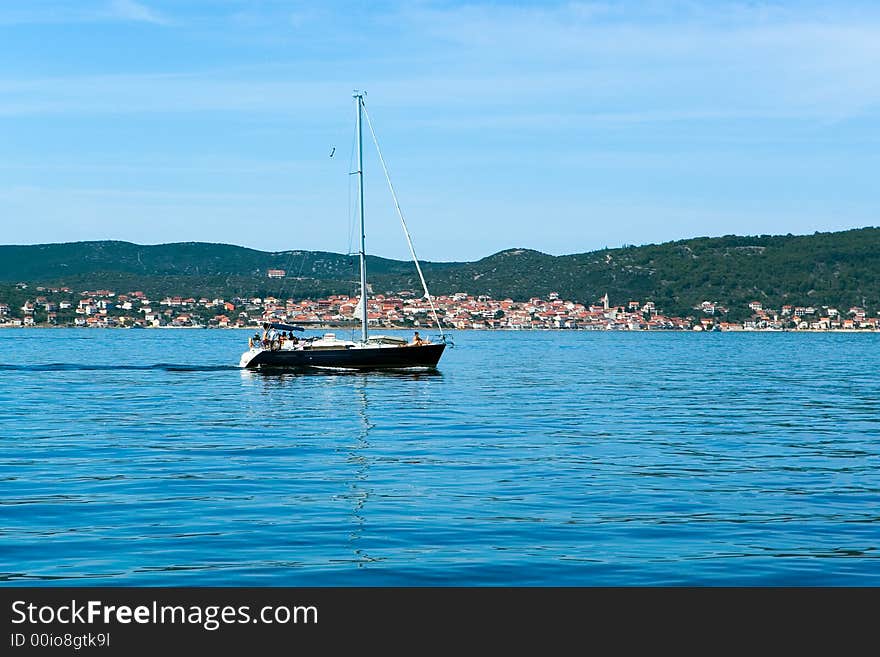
(62, 306)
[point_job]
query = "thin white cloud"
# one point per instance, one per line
(129, 10)
(60, 12)
(490, 64)
(729, 57)
(146, 94)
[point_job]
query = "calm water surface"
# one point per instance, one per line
(529, 458)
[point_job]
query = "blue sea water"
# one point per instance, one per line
(529, 458)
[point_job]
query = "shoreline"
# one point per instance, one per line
(324, 327)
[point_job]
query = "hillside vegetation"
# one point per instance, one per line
(839, 269)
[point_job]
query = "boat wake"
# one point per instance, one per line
(82, 367)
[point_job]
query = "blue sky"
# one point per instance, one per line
(563, 127)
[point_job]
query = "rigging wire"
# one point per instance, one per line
(287, 267)
(402, 220)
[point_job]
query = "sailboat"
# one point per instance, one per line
(371, 352)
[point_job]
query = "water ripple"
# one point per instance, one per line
(548, 458)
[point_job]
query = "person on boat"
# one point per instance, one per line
(417, 340)
(272, 337)
(254, 341)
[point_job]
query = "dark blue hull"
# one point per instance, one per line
(379, 358)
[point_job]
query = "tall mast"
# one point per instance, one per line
(359, 97)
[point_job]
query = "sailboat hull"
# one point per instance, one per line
(379, 358)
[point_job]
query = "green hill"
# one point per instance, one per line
(839, 269)
(55, 261)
